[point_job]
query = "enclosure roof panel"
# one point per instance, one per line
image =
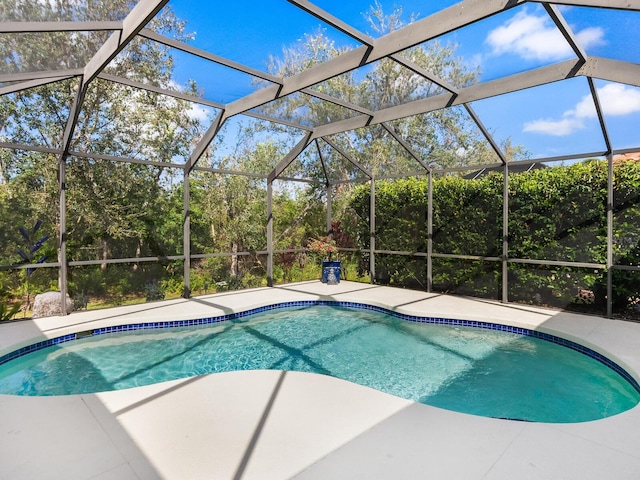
(539, 78)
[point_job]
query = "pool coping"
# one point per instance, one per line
(306, 425)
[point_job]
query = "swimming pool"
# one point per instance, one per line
(472, 367)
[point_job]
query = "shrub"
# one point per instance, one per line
(555, 214)
(8, 312)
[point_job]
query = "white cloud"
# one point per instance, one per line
(619, 99)
(537, 38)
(616, 100)
(584, 109)
(590, 37)
(557, 128)
(198, 112)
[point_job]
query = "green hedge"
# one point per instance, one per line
(555, 214)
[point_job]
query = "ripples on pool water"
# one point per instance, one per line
(478, 371)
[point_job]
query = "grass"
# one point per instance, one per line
(310, 271)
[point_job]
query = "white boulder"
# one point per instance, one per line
(48, 304)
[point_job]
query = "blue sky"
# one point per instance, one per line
(550, 120)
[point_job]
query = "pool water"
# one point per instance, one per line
(472, 370)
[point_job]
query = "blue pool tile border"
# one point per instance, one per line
(37, 346)
(331, 303)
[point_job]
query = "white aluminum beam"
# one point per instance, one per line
(347, 61)
(566, 31)
(161, 91)
(253, 100)
(290, 157)
(480, 91)
(279, 121)
(336, 101)
(344, 63)
(405, 145)
(299, 180)
(38, 27)
(612, 4)
(349, 158)
(204, 142)
(322, 163)
(612, 70)
(221, 171)
(464, 13)
(415, 68)
(270, 233)
(26, 76)
(341, 126)
(333, 21)
(113, 158)
(519, 81)
(191, 98)
(30, 148)
(623, 151)
(72, 120)
(30, 84)
(444, 21)
(413, 108)
(139, 16)
(485, 132)
(610, 219)
(598, 105)
(169, 42)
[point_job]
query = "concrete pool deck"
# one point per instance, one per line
(280, 425)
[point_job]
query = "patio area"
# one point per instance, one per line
(280, 425)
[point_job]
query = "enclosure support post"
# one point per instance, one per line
(430, 233)
(372, 231)
(186, 237)
(505, 234)
(329, 207)
(72, 120)
(610, 200)
(62, 251)
(270, 233)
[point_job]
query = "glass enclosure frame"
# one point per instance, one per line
(274, 89)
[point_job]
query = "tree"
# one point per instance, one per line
(113, 208)
(447, 137)
(228, 213)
